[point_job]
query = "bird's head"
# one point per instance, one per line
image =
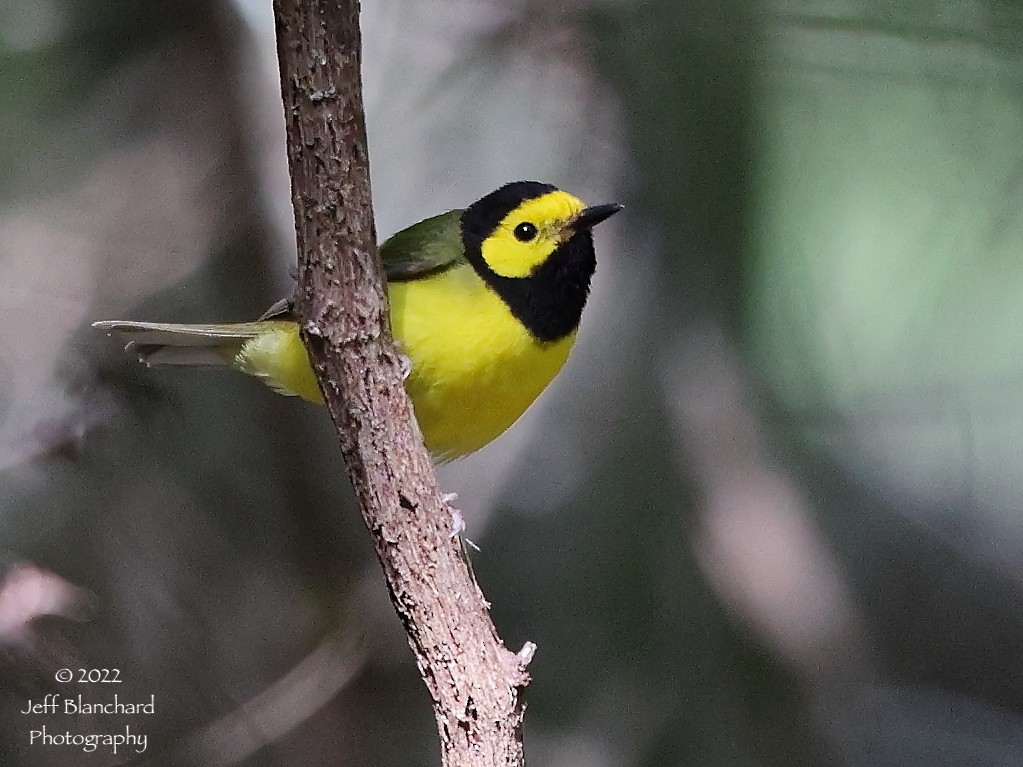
(531, 243)
(513, 231)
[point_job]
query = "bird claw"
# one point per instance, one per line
(457, 520)
(457, 523)
(405, 366)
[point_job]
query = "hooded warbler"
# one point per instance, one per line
(484, 301)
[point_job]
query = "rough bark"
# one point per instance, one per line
(475, 682)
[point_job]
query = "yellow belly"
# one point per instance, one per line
(475, 368)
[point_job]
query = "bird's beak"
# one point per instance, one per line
(592, 216)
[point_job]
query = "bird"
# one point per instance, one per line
(485, 302)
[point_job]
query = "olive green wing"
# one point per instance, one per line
(428, 247)
(431, 246)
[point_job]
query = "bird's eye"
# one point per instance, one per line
(525, 231)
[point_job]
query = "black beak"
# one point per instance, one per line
(592, 216)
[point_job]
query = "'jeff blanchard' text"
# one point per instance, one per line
(53, 704)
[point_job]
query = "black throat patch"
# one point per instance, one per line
(548, 302)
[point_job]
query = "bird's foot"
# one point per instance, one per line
(457, 520)
(405, 365)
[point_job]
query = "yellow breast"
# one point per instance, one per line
(475, 368)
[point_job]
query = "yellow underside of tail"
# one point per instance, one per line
(475, 368)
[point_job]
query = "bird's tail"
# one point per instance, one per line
(166, 343)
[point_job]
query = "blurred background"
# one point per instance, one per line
(770, 514)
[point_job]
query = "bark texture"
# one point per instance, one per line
(475, 682)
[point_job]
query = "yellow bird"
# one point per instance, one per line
(485, 302)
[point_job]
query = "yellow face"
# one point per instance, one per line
(528, 235)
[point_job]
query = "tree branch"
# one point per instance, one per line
(475, 682)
